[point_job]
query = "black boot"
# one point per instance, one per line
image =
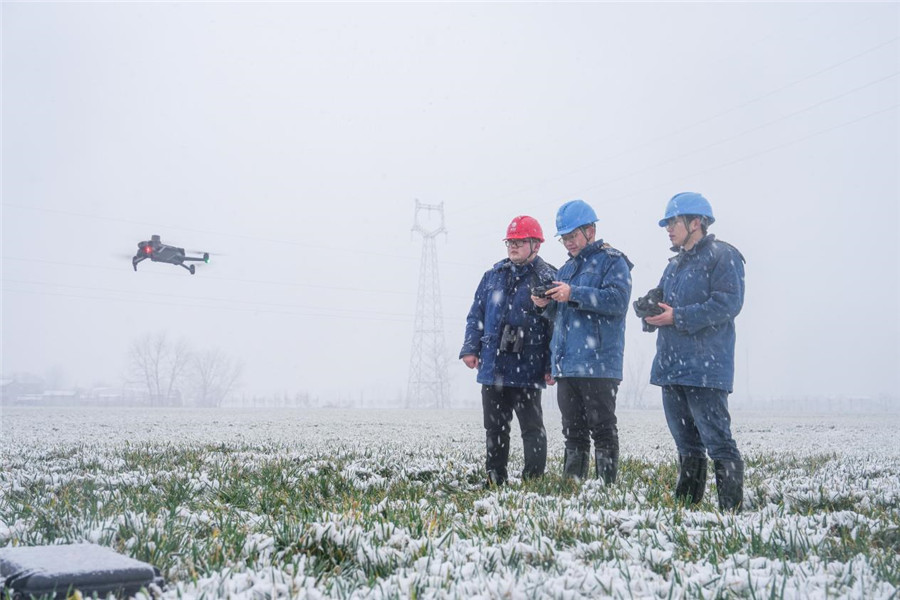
(606, 465)
(576, 464)
(691, 478)
(535, 450)
(494, 479)
(730, 484)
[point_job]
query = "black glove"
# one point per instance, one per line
(648, 306)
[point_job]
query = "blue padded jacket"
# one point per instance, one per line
(504, 298)
(705, 287)
(589, 329)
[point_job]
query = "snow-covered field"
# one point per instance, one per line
(389, 504)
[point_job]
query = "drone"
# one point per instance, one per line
(156, 251)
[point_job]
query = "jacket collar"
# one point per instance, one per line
(589, 250)
(701, 243)
(508, 265)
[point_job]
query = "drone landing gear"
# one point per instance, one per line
(189, 268)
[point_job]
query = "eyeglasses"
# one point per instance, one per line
(515, 243)
(671, 222)
(565, 239)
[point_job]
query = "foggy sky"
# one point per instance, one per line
(291, 140)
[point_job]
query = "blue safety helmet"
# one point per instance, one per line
(573, 215)
(688, 203)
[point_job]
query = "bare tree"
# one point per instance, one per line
(216, 375)
(159, 365)
(637, 381)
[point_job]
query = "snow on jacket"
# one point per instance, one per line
(705, 287)
(589, 329)
(504, 298)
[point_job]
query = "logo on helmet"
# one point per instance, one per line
(524, 227)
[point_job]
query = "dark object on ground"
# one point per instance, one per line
(56, 571)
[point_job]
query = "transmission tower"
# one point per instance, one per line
(428, 366)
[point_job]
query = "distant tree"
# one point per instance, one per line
(215, 376)
(54, 378)
(160, 366)
(637, 379)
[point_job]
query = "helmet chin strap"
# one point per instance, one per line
(687, 225)
(584, 232)
(532, 252)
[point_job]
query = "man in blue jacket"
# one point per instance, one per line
(702, 292)
(507, 340)
(588, 307)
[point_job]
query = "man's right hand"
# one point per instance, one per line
(471, 360)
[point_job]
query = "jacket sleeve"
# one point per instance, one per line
(475, 322)
(726, 296)
(611, 297)
(549, 311)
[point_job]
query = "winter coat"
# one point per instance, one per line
(589, 330)
(504, 298)
(705, 287)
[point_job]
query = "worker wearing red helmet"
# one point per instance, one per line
(508, 341)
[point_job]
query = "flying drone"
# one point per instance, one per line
(156, 251)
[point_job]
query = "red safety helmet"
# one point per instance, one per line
(524, 227)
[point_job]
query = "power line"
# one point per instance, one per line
(706, 120)
(182, 297)
(163, 227)
(326, 312)
(763, 152)
(744, 133)
(581, 190)
(230, 279)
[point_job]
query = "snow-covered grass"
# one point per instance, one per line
(390, 504)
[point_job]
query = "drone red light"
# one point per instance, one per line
(148, 250)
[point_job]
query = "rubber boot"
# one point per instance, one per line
(494, 479)
(691, 478)
(730, 484)
(576, 464)
(606, 465)
(535, 451)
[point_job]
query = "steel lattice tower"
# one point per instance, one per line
(428, 381)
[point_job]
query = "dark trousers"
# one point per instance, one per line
(588, 407)
(699, 421)
(498, 404)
